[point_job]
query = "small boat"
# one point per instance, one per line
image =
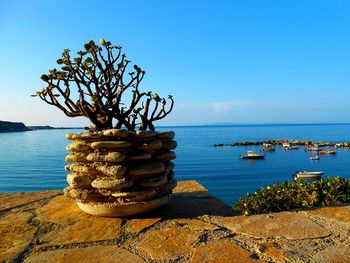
(314, 158)
(252, 155)
(294, 147)
(306, 174)
(267, 147)
(327, 152)
(314, 148)
(286, 146)
(289, 146)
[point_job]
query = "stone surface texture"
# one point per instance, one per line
(222, 251)
(194, 227)
(105, 173)
(89, 254)
(341, 213)
(275, 225)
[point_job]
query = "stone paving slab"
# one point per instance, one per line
(336, 254)
(86, 255)
(223, 251)
(138, 225)
(191, 186)
(16, 233)
(14, 200)
(194, 204)
(194, 227)
(290, 225)
(339, 213)
(273, 250)
(72, 225)
(169, 243)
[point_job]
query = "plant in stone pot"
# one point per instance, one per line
(121, 166)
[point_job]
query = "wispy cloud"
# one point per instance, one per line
(225, 107)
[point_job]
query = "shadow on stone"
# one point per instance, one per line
(191, 205)
(190, 200)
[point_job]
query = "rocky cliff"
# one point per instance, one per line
(7, 126)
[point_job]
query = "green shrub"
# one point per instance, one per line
(290, 195)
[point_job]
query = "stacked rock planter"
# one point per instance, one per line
(119, 173)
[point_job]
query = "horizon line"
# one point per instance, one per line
(219, 125)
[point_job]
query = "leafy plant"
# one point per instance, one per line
(291, 195)
(99, 76)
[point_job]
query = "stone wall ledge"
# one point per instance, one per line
(194, 227)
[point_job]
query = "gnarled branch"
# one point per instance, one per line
(97, 76)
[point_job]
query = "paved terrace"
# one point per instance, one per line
(195, 227)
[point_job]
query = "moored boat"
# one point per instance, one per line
(294, 147)
(327, 152)
(252, 155)
(290, 146)
(267, 147)
(314, 158)
(286, 146)
(314, 148)
(307, 174)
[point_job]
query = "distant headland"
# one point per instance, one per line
(8, 126)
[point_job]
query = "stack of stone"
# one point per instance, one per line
(118, 173)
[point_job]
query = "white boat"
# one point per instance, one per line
(286, 145)
(306, 174)
(314, 158)
(314, 148)
(290, 146)
(252, 155)
(294, 146)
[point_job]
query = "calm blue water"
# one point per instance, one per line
(26, 165)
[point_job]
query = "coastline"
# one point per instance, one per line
(8, 126)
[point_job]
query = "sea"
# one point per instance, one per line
(34, 160)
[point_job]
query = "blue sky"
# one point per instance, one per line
(224, 61)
